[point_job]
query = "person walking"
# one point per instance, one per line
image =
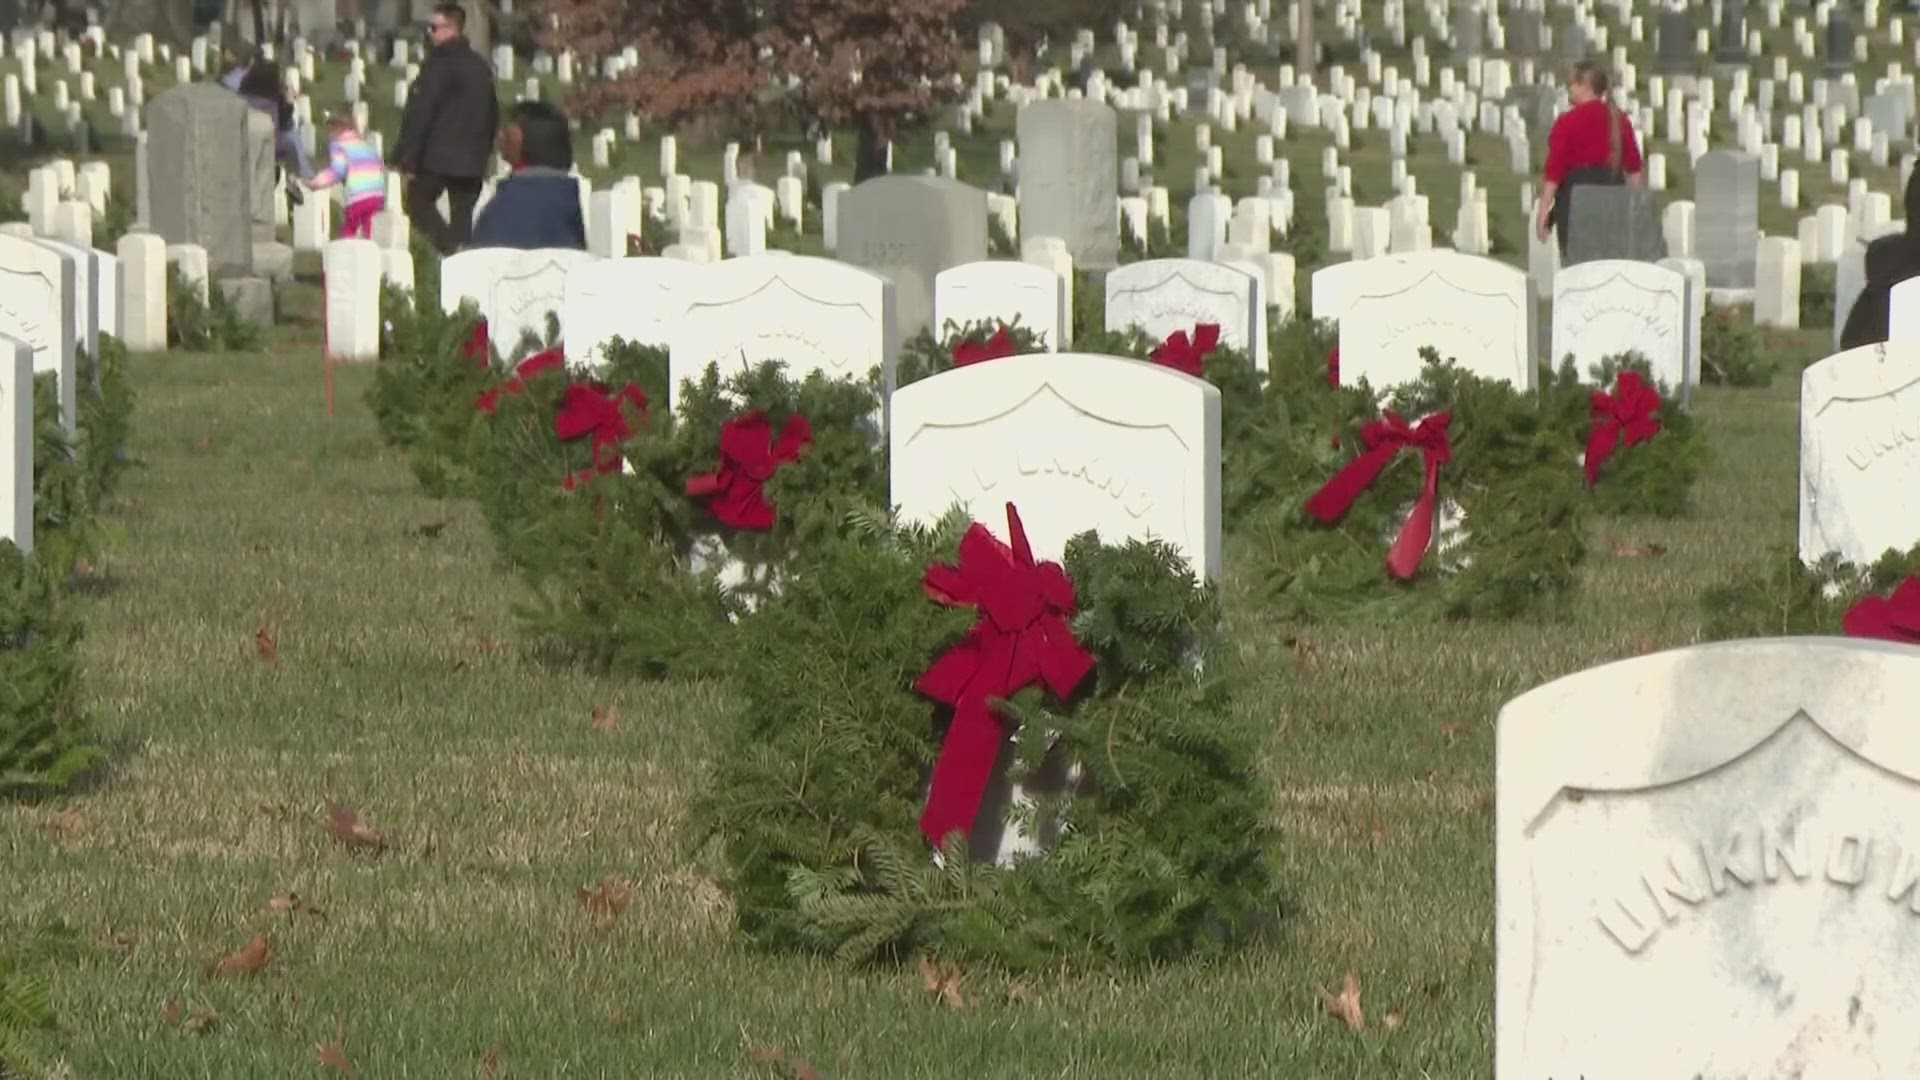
(354, 164)
(446, 132)
(1591, 143)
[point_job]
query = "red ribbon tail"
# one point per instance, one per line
(1403, 558)
(1600, 447)
(960, 776)
(1332, 501)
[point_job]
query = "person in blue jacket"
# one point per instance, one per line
(538, 205)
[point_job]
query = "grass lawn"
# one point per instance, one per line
(396, 688)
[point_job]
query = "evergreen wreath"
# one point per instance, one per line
(43, 742)
(625, 568)
(1511, 474)
(819, 779)
(433, 364)
(1786, 597)
(1653, 478)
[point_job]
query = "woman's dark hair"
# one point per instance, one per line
(262, 80)
(544, 138)
(1594, 76)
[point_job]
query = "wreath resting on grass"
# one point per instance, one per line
(822, 774)
(1506, 501)
(1786, 597)
(1652, 449)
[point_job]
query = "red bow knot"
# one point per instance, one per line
(537, 364)
(588, 410)
(1022, 637)
(478, 350)
(974, 352)
(749, 456)
(1631, 412)
(1188, 355)
(1894, 618)
(1384, 438)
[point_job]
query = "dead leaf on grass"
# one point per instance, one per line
(490, 1061)
(1392, 1021)
(430, 530)
(787, 1064)
(61, 826)
(1451, 731)
(942, 981)
(605, 718)
(1632, 549)
(256, 954)
(197, 1022)
(345, 826)
(206, 442)
(606, 902)
(284, 902)
(1346, 1004)
(266, 641)
(333, 1055)
(1020, 993)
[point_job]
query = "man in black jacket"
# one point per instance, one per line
(446, 133)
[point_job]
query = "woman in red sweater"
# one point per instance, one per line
(1591, 143)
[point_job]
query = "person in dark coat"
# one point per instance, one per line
(1890, 261)
(538, 205)
(446, 132)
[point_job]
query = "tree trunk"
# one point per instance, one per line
(870, 160)
(1306, 42)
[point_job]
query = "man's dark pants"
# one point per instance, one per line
(421, 200)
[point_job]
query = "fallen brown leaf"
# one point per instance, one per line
(787, 1064)
(333, 1055)
(121, 943)
(1020, 993)
(284, 902)
(194, 1023)
(1451, 731)
(1630, 549)
(1644, 645)
(606, 902)
(1392, 1021)
(428, 531)
(943, 981)
(206, 442)
(61, 826)
(256, 954)
(345, 826)
(490, 1061)
(605, 718)
(489, 646)
(266, 641)
(1346, 1005)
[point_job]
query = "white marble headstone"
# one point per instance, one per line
(1860, 453)
(1708, 865)
(630, 298)
(352, 271)
(1161, 296)
(1611, 306)
(1473, 310)
(1126, 448)
(37, 306)
(807, 313)
(1002, 292)
(16, 441)
(514, 289)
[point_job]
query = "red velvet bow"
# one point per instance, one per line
(1631, 412)
(1383, 439)
(1188, 355)
(1021, 638)
(749, 454)
(478, 350)
(539, 363)
(1895, 618)
(588, 410)
(995, 347)
(1333, 366)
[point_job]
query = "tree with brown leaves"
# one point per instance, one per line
(877, 66)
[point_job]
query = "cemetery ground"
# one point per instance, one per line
(285, 620)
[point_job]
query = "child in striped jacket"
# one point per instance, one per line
(355, 165)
